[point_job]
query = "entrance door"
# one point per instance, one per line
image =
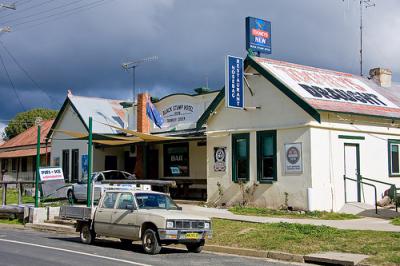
(110, 163)
(152, 164)
(352, 170)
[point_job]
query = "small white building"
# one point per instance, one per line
(302, 131)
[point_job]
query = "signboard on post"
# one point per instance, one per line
(258, 35)
(234, 92)
(53, 184)
(293, 158)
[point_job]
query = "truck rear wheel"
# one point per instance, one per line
(150, 242)
(86, 234)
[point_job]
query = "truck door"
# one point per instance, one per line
(102, 220)
(124, 219)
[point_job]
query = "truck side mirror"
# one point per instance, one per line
(130, 207)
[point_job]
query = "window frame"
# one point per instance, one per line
(235, 137)
(390, 143)
(166, 161)
(260, 136)
(115, 202)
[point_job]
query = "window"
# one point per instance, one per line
(65, 164)
(155, 201)
(124, 200)
(240, 157)
(176, 159)
(4, 165)
(14, 164)
(75, 165)
(24, 164)
(109, 200)
(394, 153)
(266, 156)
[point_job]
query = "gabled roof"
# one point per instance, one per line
(103, 111)
(315, 90)
(28, 137)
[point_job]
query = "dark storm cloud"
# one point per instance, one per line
(191, 38)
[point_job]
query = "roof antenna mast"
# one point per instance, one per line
(366, 4)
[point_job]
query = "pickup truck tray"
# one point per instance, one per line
(75, 212)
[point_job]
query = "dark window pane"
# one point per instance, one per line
(24, 164)
(241, 148)
(395, 159)
(242, 169)
(268, 146)
(268, 167)
(176, 159)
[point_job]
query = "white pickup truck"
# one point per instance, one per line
(132, 215)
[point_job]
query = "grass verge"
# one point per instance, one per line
(8, 221)
(383, 247)
(254, 211)
(12, 197)
(395, 221)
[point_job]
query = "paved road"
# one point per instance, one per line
(26, 247)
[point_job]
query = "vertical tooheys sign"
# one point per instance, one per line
(234, 92)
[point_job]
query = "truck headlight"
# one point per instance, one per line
(170, 224)
(206, 225)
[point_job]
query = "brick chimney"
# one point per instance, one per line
(382, 76)
(143, 126)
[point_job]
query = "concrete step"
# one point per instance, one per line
(335, 258)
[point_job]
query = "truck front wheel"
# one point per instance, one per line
(150, 242)
(195, 247)
(87, 236)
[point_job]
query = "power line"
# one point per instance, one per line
(62, 13)
(27, 74)
(42, 12)
(12, 84)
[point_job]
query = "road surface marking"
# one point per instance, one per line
(76, 252)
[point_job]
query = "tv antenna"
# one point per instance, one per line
(132, 65)
(363, 4)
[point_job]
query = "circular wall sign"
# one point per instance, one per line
(293, 155)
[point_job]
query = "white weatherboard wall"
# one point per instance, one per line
(277, 112)
(68, 121)
(328, 166)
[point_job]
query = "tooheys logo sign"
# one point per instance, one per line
(327, 85)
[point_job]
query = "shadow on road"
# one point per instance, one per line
(116, 244)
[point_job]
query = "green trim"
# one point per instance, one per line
(362, 115)
(285, 89)
(392, 141)
(351, 137)
(260, 135)
(60, 113)
(211, 108)
(235, 137)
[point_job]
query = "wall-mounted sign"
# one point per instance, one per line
(234, 92)
(85, 164)
(219, 159)
(258, 35)
(293, 158)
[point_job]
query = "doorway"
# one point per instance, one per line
(110, 163)
(352, 170)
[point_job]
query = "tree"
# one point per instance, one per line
(24, 120)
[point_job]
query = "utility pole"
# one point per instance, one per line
(366, 4)
(132, 65)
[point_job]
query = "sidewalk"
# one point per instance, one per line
(368, 223)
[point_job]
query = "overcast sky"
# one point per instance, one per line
(83, 49)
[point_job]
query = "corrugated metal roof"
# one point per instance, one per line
(23, 152)
(28, 137)
(328, 90)
(105, 111)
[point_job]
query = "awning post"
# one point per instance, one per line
(89, 171)
(37, 167)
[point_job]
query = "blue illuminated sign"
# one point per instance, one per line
(258, 35)
(234, 93)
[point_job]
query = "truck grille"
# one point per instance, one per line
(189, 224)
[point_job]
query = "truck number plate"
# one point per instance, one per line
(192, 235)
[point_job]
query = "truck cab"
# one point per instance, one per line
(149, 216)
